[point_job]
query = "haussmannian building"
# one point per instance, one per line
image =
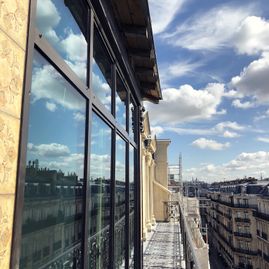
(73, 78)
(238, 222)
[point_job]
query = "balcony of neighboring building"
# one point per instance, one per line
(262, 235)
(261, 215)
(244, 266)
(244, 235)
(242, 219)
(246, 251)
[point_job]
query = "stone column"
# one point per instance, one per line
(153, 220)
(148, 214)
(13, 32)
(144, 208)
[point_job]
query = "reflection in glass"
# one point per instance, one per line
(63, 23)
(100, 195)
(131, 119)
(120, 220)
(54, 184)
(101, 76)
(131, 205)
(121, 100)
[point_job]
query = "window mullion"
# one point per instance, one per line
(113, 191)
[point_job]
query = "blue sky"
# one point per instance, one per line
(213, 59)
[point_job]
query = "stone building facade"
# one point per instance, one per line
(13, 39)
(238, 224)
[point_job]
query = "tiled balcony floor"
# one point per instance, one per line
(162, 250)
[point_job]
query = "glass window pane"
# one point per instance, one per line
(121, 100)
(101, 76)
(120, 221)
(131, 119)
(131, 205)
(63, 23)
(54, 184)
(100, 194)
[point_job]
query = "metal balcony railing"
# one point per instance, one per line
(264, 235)
(244, 266)
(247, 235)
(245, 251)
(261, 215)
(246, 220)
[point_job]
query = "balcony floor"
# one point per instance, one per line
(163, 248)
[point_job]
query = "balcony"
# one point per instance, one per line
(266, 257)
(230, 204)
(246, 220)
(234, 205)
(264, 235)
(245, 251)
(261, 215)
(244, 266)
(228, 229)
(247, 235)
(242, 205)
(228, 216)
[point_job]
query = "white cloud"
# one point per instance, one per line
(163, 13)
(101, 89)
(100, 166)
(75, 46)
(230, 125)
(190, 131)
(210, 30)
(246, 161)
(48, 18)
(178, 69)
(237, 103)
(227, 129)
(79, 68)
(187, 104)
(254, 80)
(51, 106)
(263, 139)
(252, 37)
(58, 157)
(262, 116)
(49, 85)
(75, 157)
(78, 116)
(229, 134)
(72, 47)
(156, 130)
(204, 143)
(49, 150)
(245, 164)
(233, 94)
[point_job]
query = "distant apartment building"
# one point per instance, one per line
(238, 222)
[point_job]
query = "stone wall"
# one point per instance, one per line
(13, 32)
